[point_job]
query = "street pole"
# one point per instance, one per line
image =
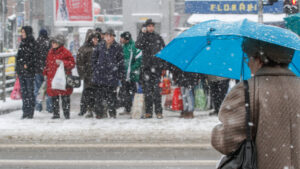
(14, 26)
(260, 11)
(2, 26)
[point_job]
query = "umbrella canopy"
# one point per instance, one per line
(215, 47)
(293, 23)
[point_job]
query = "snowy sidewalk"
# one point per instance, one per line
(42, 129)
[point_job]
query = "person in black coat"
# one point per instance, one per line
(187, 82)
(26, 62)
(84, 66)
(43, 47)
(151, 43)
(108, 71)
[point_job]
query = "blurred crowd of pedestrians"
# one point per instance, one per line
(112, 73)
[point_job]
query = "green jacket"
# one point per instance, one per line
(135, 54)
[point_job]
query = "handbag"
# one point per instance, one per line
(245, 156)
(16, 93)
(73, 80)
(165, 85)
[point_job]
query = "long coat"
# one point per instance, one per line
(58, 54)
(185, 79)
(108, 65)
(84, 60)
(275, 106)
(27, 55)
(43, 49)
(151, 68)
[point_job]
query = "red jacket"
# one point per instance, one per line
(51, 66)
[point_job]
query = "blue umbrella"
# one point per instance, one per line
(215, 47)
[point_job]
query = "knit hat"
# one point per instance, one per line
(110, 31)
(126, 35)
(43, 33)
(98, 30)
(149, 22)
(59, 39)
(267, 51)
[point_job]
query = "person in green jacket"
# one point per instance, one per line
(132, 61)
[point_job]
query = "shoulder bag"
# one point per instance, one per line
(245, 156)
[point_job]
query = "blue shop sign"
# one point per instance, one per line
(229, 7)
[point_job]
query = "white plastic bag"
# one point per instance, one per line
(138, 106)
(59, 80)
(75, 71)
(42, 92)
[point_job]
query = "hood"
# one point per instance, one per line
(90, 34)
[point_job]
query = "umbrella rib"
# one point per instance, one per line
(295, 67)
(195, 56)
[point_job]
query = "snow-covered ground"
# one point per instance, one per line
(10, 104)
(42, 129)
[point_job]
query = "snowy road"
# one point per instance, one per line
(110, 156)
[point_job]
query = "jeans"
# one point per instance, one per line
(39, 79)
(28, 99)
(188, 98)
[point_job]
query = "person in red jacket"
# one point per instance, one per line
(56, 55)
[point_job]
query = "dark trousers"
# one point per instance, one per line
(66, 101)
(28, 98)
(126, 95)
(218, 92)
(152, 97)
(106, 94)
(87, 102)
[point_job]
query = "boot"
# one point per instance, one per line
(147, 116)
(159, 116)
(67, 114)
(182, 114)
(55, 117)
(189, 115)
(89, 115)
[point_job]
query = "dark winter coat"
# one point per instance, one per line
(108, 65)
(84, 60)
(27, 55)
(43, 45)
(64, 55)
(151, 67)
(275, 108)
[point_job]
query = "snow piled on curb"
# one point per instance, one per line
(10, 104)
(79, 129)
